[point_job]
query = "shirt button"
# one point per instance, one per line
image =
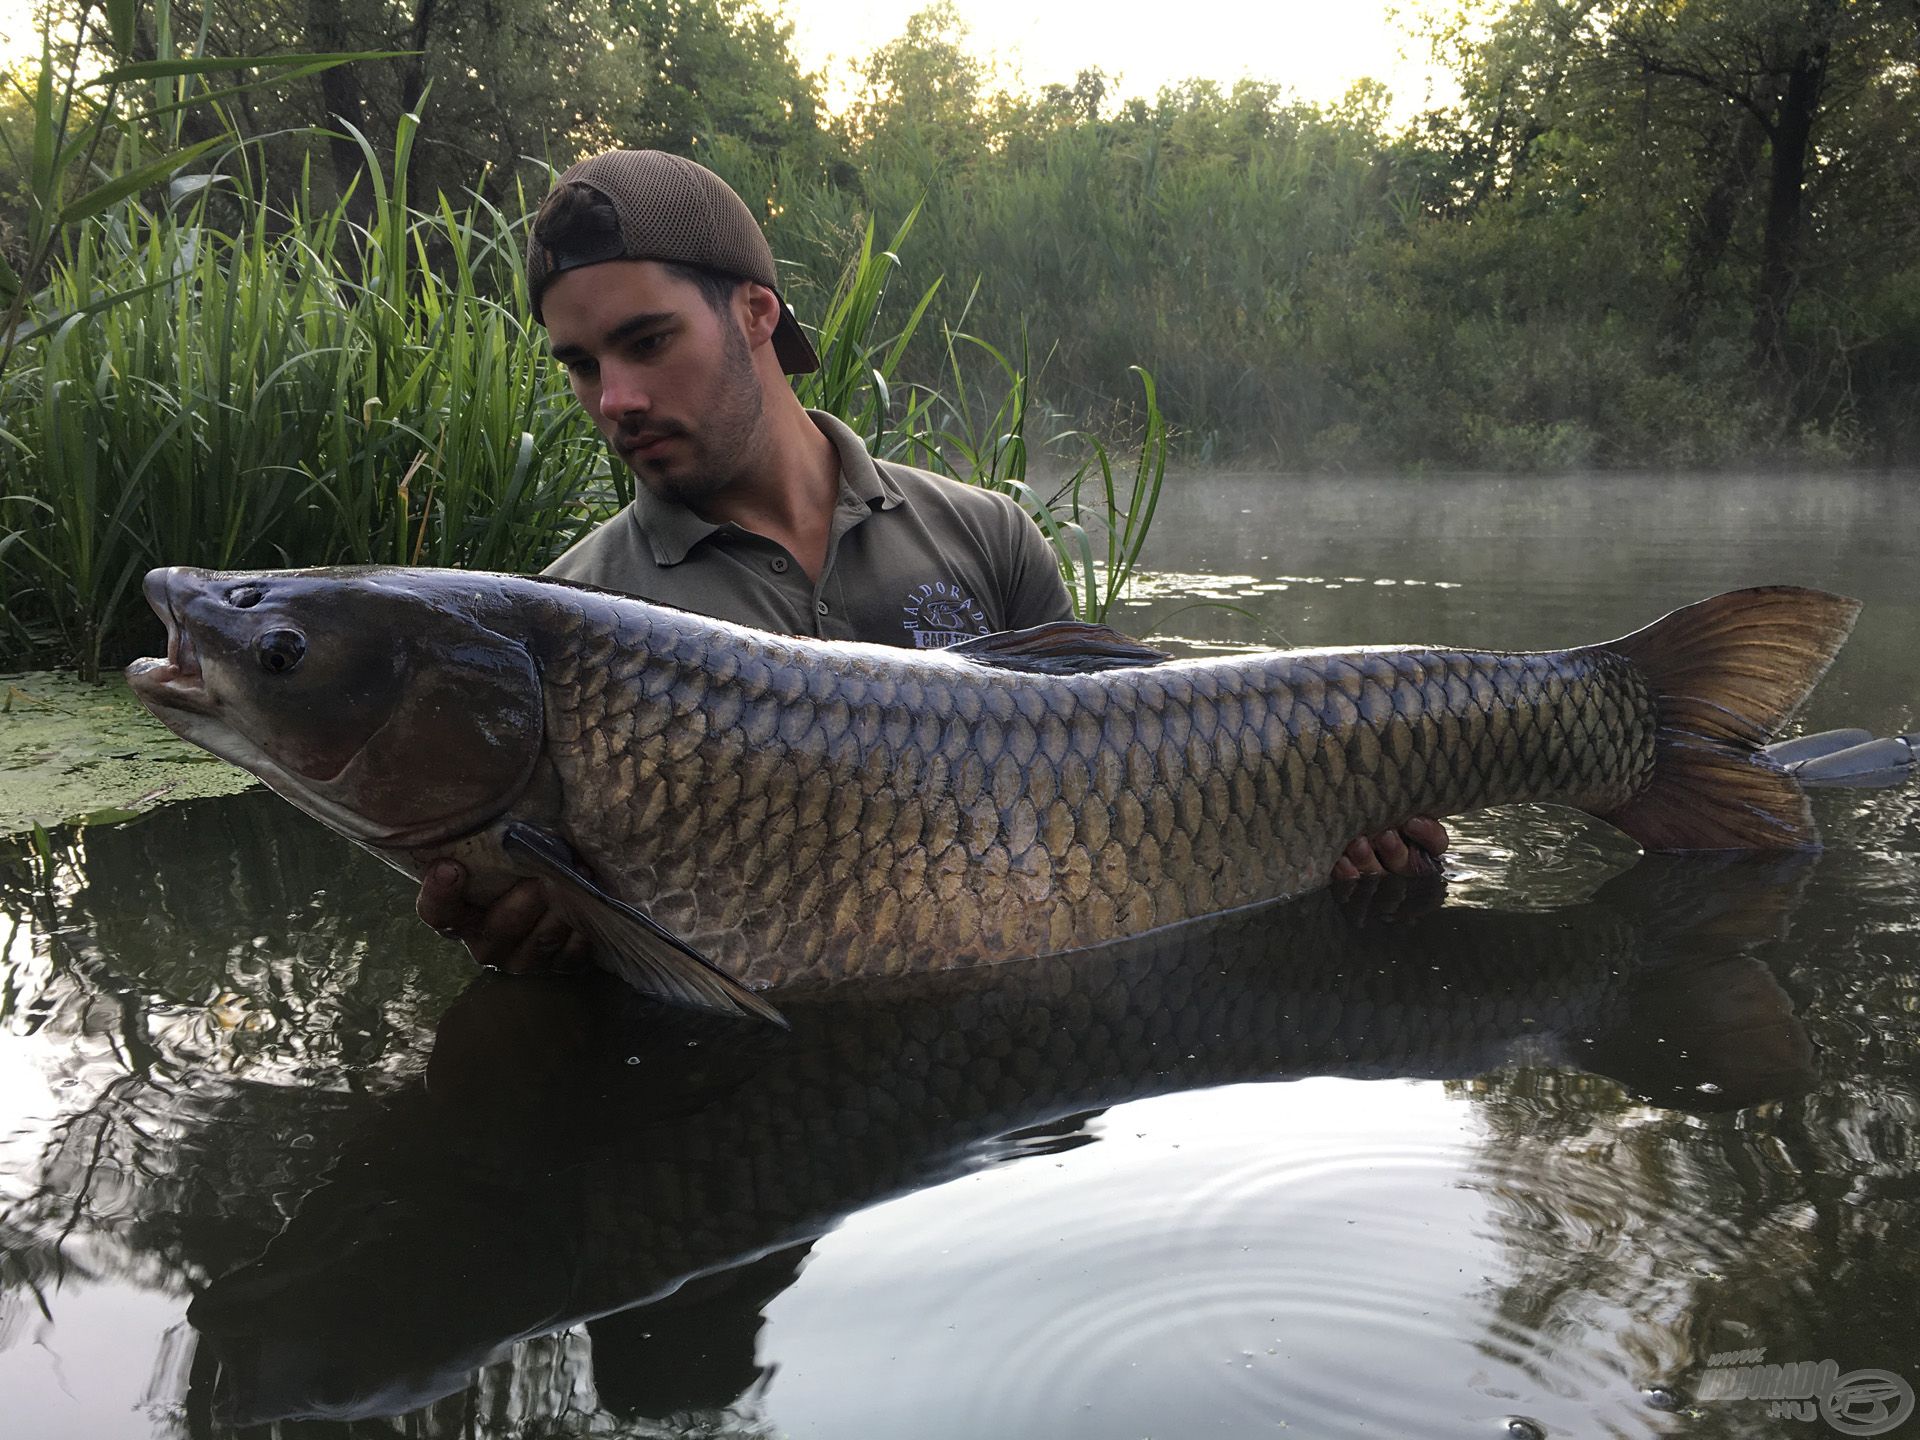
(779, 563)
(823, 607)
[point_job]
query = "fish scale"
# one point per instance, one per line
(1037, 813)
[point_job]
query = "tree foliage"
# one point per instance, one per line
(499, 83)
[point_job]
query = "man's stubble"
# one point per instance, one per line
(727, 447)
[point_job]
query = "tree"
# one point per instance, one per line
(1781, 65)
(925, 93)
(501, 82)
(1717, 141)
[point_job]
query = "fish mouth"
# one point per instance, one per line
(176, 680)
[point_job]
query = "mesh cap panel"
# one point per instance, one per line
(670, 209)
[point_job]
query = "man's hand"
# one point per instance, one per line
(1414, 849)
(518, 933)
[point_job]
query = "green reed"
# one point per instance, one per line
(361, 382)
(298, 388)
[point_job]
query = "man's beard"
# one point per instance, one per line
(726, 448)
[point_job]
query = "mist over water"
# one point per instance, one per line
(1519, 1163)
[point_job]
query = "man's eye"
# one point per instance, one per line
(582, 369)
(646, 344)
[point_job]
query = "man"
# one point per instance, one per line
(659, 295)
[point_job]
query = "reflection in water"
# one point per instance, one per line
(165, 978)
(572, 1152)
(559, 1201)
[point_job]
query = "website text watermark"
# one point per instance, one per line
(1857, 1402)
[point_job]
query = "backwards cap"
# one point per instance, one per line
(672, 210)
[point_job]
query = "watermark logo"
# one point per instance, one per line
(1859, 1402)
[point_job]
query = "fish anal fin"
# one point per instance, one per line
(1060, 647)
(628, 941)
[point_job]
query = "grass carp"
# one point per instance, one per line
(725, 811)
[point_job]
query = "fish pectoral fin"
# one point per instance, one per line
(631, 943)
(1061, 647)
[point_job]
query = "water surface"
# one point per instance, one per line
(1519, 1158)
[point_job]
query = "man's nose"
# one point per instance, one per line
(623, 390)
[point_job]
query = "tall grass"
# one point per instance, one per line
(298, 390)
(294, 386)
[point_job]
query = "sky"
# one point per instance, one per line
(16, 29)
(1314, 48)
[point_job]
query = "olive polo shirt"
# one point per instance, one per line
(913, 559)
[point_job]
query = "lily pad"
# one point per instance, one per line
(74, 753)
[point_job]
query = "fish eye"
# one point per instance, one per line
(281, 650)
(244, 597)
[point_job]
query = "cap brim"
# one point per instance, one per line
(791, 346)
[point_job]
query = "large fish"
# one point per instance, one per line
(725, 811)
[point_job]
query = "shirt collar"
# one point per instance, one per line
(671, 530)
(861, 479)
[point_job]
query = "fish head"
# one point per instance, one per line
(392, 705)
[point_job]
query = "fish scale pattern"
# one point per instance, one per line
(800, 811)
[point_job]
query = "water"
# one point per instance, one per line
(1519, 1164)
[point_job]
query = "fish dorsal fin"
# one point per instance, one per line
(629, 942)
(1060, 647)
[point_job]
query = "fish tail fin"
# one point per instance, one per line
(1727, 674)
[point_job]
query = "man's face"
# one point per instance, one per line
(669, 383)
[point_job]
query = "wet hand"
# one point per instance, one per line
(519, 933)
(1412, 850)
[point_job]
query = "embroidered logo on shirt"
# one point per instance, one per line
(942, 613)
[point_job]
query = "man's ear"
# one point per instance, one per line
(759, 311)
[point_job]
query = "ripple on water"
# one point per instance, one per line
(1531, 857)
(1355, 1280)
(1220, 1298)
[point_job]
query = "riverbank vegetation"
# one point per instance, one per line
(273, 315)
